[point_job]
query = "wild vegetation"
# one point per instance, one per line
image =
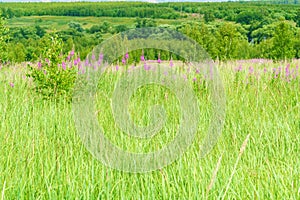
(255, 47)
(226, 30)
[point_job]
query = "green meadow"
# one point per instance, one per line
(61, 22)
(256, 156)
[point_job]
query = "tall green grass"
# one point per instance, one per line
(42, 157)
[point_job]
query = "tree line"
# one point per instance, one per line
(225, 30)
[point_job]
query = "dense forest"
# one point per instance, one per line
(231, 30)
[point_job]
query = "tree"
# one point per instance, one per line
(227, 39)
(76, 26)
(297, 44)
(209, 16)
(297, 18)
(4, 37)
(40, 31)
(283, 46)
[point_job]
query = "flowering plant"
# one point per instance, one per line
(54, 75)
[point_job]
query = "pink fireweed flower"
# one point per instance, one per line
(239, 68)
(86, 62)
(63, 65)
(194, 79)
(39, 65)
(76, 62)
(117, 67)
(68, 58)
(287, 70)
(12, 84)
(126, 55)
(101, 56)
(93, 57)
(142, 56)
(251, 70)
(159, 60)
(95, 67)
(100, 59)
(72, 52)
(147, 67)
(265, 70)
(123, 61)
(171, 63)
(197, 71)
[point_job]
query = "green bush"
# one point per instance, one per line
(55, 74)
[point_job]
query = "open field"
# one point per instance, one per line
(61, 22)
(44, 158)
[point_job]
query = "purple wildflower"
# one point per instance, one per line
(159, 60)
(39, 65)
(239, 68)
(251, 70)
(171, 63)
(117, 67)
(142, 58)
(72, 52)
(265, 70)
(86, 62)
(100, 57)
(287, 70)
(146, 67)
(64, 66)
(124, 61)
(126, 55)
(12, 84)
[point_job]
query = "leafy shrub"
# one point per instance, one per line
(3, 39)
(54, 75)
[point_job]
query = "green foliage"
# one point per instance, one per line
(142, 23)
(297, 18)
(3, 39)
(209, 16)
(253, 26)
(247, 17)
(54, 76)
(228, 39)
(283, 47)
(76, 26)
